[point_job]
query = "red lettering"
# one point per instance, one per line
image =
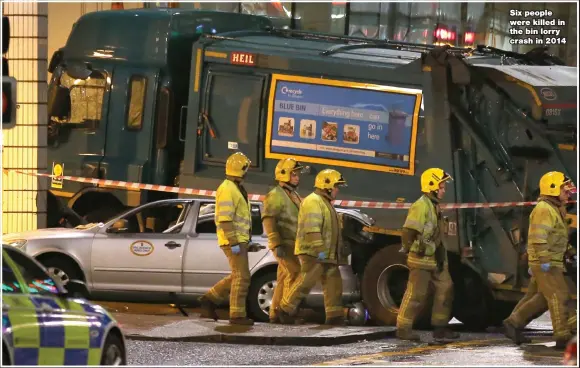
(242, 58)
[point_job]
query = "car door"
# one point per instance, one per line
(147, 255)
(204, 262)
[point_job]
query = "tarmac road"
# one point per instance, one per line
(488, 348)
(474, 349)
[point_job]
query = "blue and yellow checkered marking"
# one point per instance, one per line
(72, 334)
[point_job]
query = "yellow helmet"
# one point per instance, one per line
(328, 179)
(237, 165)
(431, 178)
(285, 167)
(551, 183)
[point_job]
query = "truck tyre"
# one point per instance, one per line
(384, 283)
(260, 296)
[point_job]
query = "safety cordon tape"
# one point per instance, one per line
(258, 197)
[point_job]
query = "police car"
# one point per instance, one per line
(43, 325)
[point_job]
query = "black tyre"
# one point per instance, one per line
(113, 351)
(473, 304)
(64, 269)
(383, 286)
(260, 296)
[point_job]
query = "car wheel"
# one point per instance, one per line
(383, 286)
(113, 351)
(260, 296)
(62, 269)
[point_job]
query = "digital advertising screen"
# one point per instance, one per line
(349, 124)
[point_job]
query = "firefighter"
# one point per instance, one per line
(547, 246)
(233, 223)
(427, 261)
(280, 220)
(320, 249)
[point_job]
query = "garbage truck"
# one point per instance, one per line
(169, 101)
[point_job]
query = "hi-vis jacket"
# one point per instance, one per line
(280, 216)
(232, 214)
(547, 234)
(423, 217)
(319, 229)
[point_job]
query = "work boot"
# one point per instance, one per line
(284, 317)
(275, 319)
(561, 344)
(444, 333)
(514, 333)
(407, 334)
(242, 321)
(335, 321)
(208, 308)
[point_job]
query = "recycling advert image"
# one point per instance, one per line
(343, 123)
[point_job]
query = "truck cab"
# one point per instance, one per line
(117, 101)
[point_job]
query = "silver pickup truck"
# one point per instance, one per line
(170, 258)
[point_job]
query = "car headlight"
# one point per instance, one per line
(18, 243)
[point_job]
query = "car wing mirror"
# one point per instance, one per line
(120, 226)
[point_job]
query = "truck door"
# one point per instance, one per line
(232, 107)
(78, 122)
(129, 131)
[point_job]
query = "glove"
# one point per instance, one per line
(545, 267)
(236, 249)
(530, 272)
(322, 256)
(280, 251)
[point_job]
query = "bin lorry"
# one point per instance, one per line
(169, 101)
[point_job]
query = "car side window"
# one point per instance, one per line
(37, 280)
(163, 219)
(206, 222)
(10, 284)
(256, 221)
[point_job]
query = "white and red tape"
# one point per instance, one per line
(258, 197)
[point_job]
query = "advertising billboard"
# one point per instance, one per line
(349, 124)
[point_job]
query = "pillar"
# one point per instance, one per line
(24, 146)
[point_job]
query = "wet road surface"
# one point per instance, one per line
(474, 349)
(488, 348)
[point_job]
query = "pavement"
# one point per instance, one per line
(195, 329)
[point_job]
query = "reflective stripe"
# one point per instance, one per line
(538, 236)
(414, 223)
(540, 226)
(311, 225)
(316, 216)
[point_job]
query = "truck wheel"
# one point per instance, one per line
(384, 283)
(260, 296)
(472, 302)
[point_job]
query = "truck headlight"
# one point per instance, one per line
(18, 243)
